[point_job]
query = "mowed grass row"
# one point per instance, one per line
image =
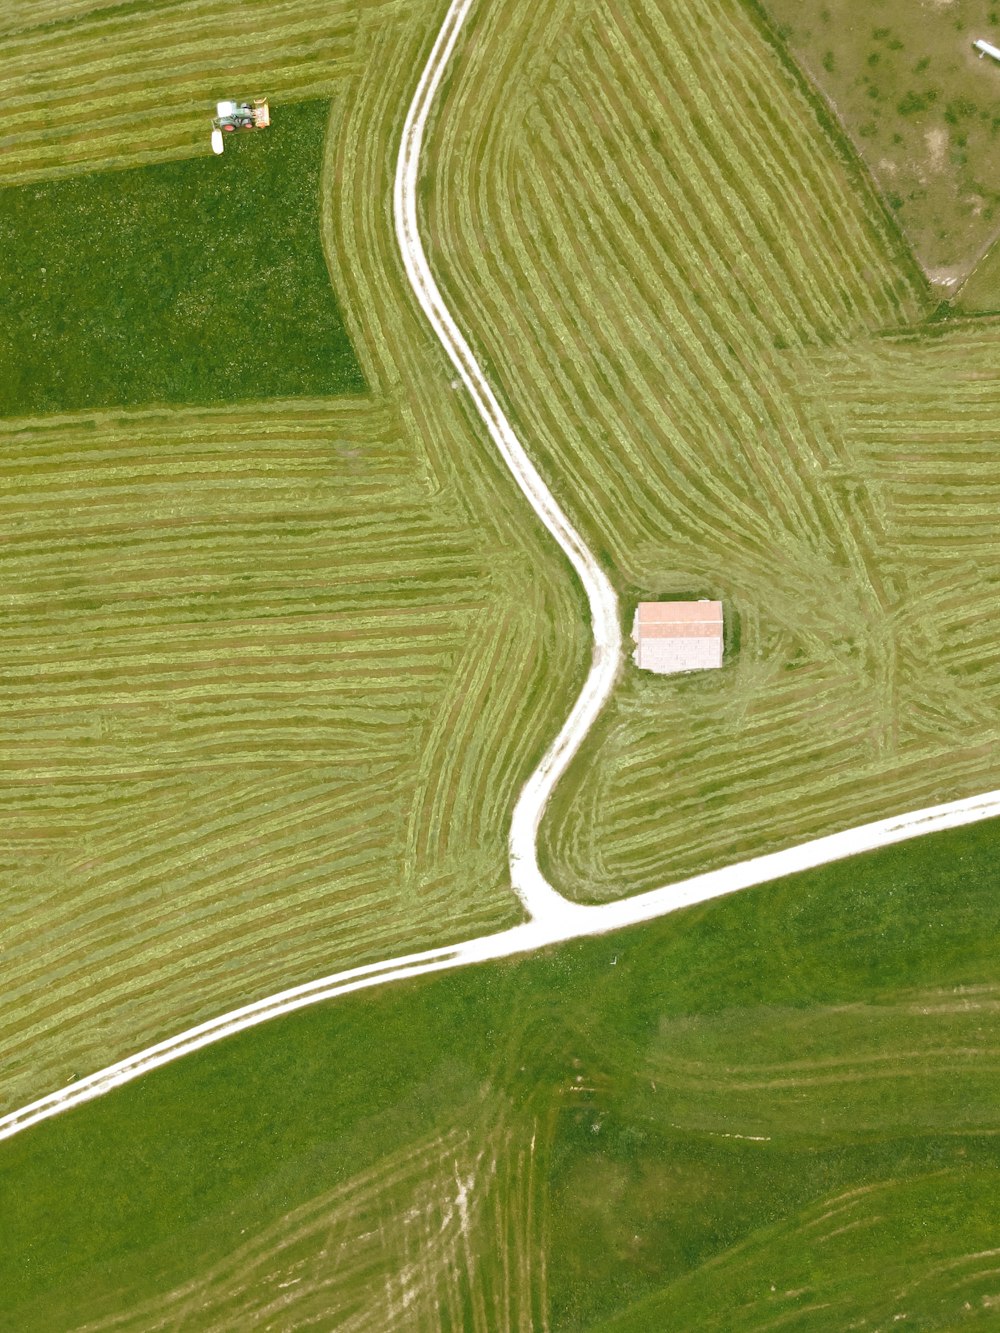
(276, 670)
(919, 417)
(619, 1127)
(253, 696)
(932, 1052)
(111, 88)
(220, 654)
(19, 15)
(848, 1259)
(671, 328)
(672, 243)
(621, 372)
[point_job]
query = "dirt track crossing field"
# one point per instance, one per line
(552, 919)
(686, 294)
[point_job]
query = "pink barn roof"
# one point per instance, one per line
(678, 636)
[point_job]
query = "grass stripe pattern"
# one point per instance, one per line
(273, 672)
(685, 292)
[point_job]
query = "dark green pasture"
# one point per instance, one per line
(194, 282)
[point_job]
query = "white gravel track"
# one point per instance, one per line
(541, 901)
(552, 918)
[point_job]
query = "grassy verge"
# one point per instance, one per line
(980, 294)
(195, 282)
(630, 1108)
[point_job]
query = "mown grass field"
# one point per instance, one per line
(921, 108)
(689, 295)
(88, 85)
(190, 282)
(272, 672)
(711, 1122)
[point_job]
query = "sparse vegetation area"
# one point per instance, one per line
(718, 1114)
(980, 293)
(274, 671)
(922, 109)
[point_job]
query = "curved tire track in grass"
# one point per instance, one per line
(540, 899)
(553, 919)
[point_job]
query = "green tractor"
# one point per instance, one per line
(232, 116)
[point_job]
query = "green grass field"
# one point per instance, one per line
(275, 669)
(190, 282)
(683, 261)
(715, 1121)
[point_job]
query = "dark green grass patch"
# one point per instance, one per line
(190, 282)
(828, 1016)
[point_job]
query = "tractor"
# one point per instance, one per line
(232, 116)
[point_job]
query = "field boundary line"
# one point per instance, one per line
(553, 918)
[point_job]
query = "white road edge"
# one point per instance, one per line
(552, 918)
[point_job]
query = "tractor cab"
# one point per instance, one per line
(232, 116)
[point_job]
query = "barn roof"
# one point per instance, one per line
(678, 636)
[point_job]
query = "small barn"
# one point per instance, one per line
(678, 636)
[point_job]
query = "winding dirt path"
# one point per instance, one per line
(552, 918)
(540, 900)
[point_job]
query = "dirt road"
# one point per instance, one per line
(552, 918)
